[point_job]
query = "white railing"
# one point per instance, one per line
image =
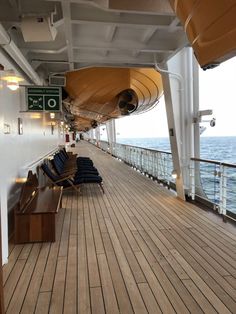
(104, 146)
(212, 182)
(153, 163)
(215, 181)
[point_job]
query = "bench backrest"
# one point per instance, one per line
(28, 191)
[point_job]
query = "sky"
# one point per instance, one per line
(217, 88)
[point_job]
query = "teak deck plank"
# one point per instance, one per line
(84, 305)
(149, 299)
(24, 281)
(107, 286)
(58, 292)
(94, 278)
(13, 257)
(97, 301)
(71, 274)
(50, 269)
(35, 282)
(117, 278)
(134, 249)
(12, 281)
(43, 303)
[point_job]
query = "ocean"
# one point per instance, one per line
(214, 148)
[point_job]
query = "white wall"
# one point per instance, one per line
(19, 151)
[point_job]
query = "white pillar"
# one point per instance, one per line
(173, 135)
(91, 134)
(111, 134)
(182, 103)
(97, 135)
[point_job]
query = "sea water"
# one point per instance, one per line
(213, 148)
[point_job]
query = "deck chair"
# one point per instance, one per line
(60, 169)
(66, 161)
(73, 158)
(70, 181)
(79, 162)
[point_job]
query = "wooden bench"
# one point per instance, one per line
(35, 214)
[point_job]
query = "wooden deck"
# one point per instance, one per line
(135, 249)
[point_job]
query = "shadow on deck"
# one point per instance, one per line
(135, 249)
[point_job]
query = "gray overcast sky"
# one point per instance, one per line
(217, 92)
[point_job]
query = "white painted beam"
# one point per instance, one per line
(110, 33)
(148, 34)
(105, 53)
(15, 54)
(49, 51)
(135, 53)
(89, 13)
(130, 24)
(173, 25)
(112, 60)
(68, 31)
(103, 59)
(158, 7)
(159, 47)
(59, 23)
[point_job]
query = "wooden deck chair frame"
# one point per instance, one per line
(69, 178)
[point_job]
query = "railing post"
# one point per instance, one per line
(162, 167)
(165, 169)
(153, 168)
(128, 154)
(223, 190)
(158, 165)
(141, 161)
(192, 178)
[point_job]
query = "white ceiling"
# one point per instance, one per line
(97, 33)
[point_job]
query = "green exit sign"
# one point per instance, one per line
(43, 98)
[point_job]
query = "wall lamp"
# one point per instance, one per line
(11, 78)
(21, 180)
(174, 174)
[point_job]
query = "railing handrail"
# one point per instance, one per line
(144, 148)
(216, 162)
